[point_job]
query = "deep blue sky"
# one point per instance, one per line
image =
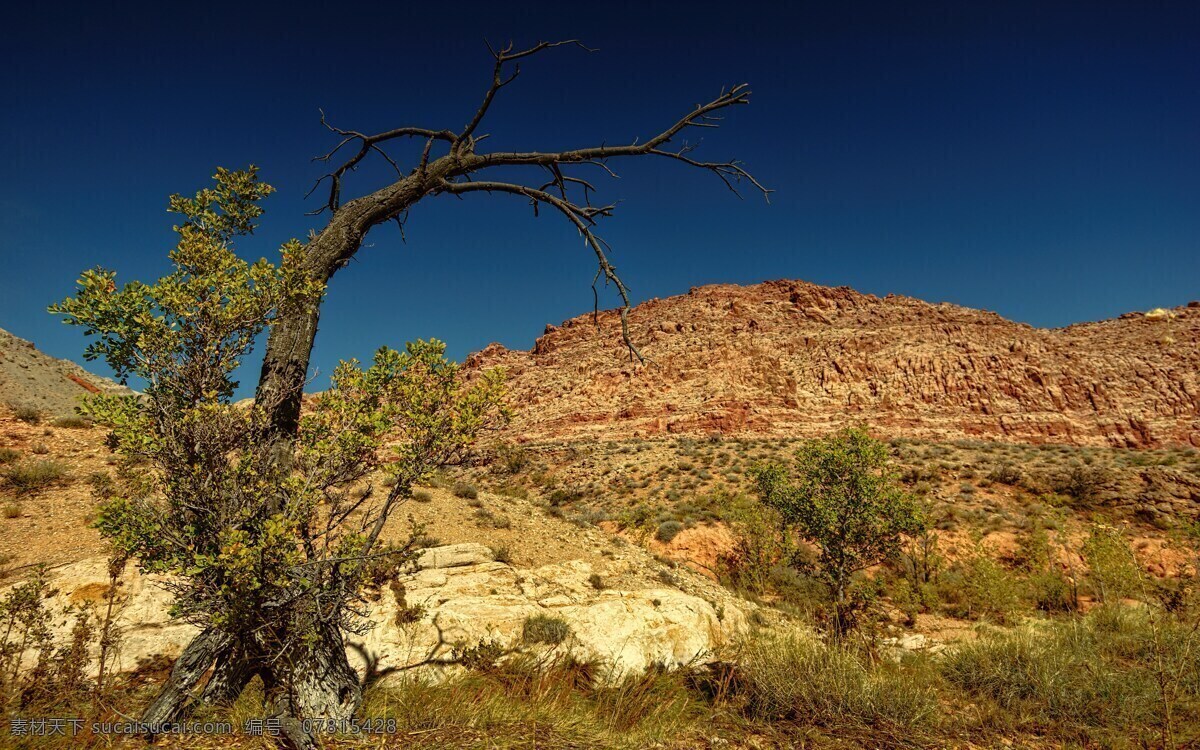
(1040, 159)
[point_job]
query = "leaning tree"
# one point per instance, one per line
(257, 511)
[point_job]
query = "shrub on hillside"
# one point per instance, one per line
(26, 413)
(464, 490)
(1113, 570)
(668, 530)
(73, 423)
(545, 629)
(1082, 483)
(844, 499)
(28, 477)
(511, 459)
(1005, 474)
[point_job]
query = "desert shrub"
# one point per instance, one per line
(465, 490)
(59, 675)
(40, 449)
(12, 510)
(565, 495)
(502, 553)
(30, 477)
(1113, 571)
(27, 413)
(596, 582)
(980, 587)
(102, 484)
(1082, 483)
(482, 657)
(73, 423)
(1052, 591)
(668, 530)
(501, 521)
(511, 459)
(422, 496)
(845, 500)
(801, 679)
(8, 455)
(760, 545)
(1005, 474)
(545, 629)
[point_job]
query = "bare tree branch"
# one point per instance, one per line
(502, 57)
(367, 144)
(584, 218)
(455, 172)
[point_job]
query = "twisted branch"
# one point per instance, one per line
(453, 172)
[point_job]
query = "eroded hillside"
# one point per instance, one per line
(787, 358)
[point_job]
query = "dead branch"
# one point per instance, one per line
(455, 171)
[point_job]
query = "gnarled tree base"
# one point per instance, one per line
(303, 684)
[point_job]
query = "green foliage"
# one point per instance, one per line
(980, 587)
(668, 530)
(256, 542)
(844, 499)
(799, 678)
(8, 455)
(1113, 571)
(545, 629)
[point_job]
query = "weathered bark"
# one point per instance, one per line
(232, 671)
(174, 700)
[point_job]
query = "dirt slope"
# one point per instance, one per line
(29, 377)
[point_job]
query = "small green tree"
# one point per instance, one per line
(1112, 568)
(267, 554)
(842, 498)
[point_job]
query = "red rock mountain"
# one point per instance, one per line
(793, 358)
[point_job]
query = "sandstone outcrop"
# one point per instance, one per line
(794, 358)
(458, 596)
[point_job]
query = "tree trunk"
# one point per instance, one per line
(175, 698)
(314, 682)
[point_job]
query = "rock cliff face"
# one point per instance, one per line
(793, 358)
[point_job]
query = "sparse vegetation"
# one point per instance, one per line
(545, 629)
(32, 477)
(464, 490)
(26, 413)
(73, 423)
(668, 530)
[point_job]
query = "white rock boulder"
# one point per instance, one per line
(458, 596)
